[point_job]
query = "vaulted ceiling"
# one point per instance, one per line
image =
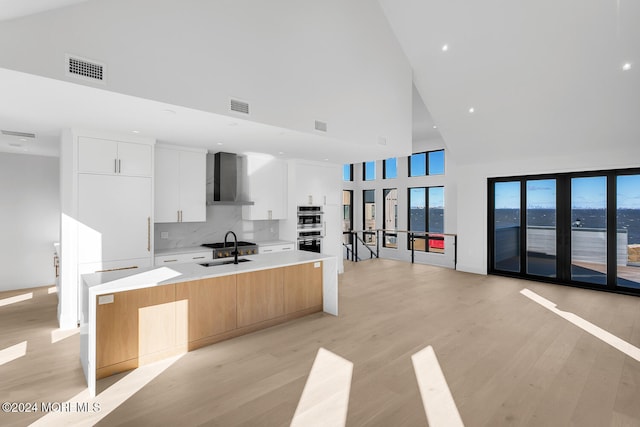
(543, 77)
(507, 78)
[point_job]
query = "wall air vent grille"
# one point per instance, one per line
(321, 126)
(18, 134)
(85, 69)
(239, 106)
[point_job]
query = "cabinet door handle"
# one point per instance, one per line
(178, 213)
(148, 234)
(180, 216)
(119, 166)
(170, 260)
(198, 257)
(115, 165)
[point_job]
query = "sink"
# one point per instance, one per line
(225, 262)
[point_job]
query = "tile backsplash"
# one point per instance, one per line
(220, 219)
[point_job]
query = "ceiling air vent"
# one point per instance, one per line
(321, 126)
(85, 69)
(18, 134)
(239, 106)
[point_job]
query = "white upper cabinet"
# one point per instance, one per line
(108, 157)
(267, 187)
(180, 185)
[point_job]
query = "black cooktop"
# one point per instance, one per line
(229, 245)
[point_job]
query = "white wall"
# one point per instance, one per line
(294, 61)
(29, 220)
(472, 192)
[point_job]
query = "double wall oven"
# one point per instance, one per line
(310, 228)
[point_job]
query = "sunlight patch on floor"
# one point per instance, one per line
(12, 353)
(437, 400)
(325, 398)
(615, 342)
(15, 299)
(106, 402)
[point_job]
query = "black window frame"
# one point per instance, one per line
(369, 237)
(426, 217)
(364, 171)
(563, 229)
(384, 219)
(426, 163)
(350, 173)
(384, 168)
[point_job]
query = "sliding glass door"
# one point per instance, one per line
(541, 232)
(589, 229)
(628, 231)
(575, 228)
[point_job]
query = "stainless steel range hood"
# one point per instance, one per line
(224, 180)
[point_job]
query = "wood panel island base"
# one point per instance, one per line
(154, 313)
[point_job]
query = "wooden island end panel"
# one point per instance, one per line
(139, 326)
(303, 287)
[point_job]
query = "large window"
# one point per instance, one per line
(347, 215)
(369, 171)
(426, 213)
(369, 216)
(427, 163)
(418, 164)
(347, 172)
(578, 228)
(390, 217)
(390, 168)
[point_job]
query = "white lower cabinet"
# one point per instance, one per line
(284, 247)
(204, 256)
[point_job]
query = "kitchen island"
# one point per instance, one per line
(134, 317)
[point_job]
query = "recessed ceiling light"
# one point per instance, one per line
(435, 127)
(135, 131)
(445, 47)
(626, 66)
(220, 143)
(169, 111)
(326, 160)
(280, 152)
(472, 110)
(23, 140)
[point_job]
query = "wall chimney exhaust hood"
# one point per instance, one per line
(224, 176)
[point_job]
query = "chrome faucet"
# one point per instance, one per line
(235, 245)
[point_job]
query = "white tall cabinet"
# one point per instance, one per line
(107, 210)
(320, 184)
(180, 184)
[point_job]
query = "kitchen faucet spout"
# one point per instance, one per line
(235, 245)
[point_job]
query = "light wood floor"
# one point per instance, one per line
(507, 360)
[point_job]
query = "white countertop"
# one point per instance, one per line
(123, 280)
